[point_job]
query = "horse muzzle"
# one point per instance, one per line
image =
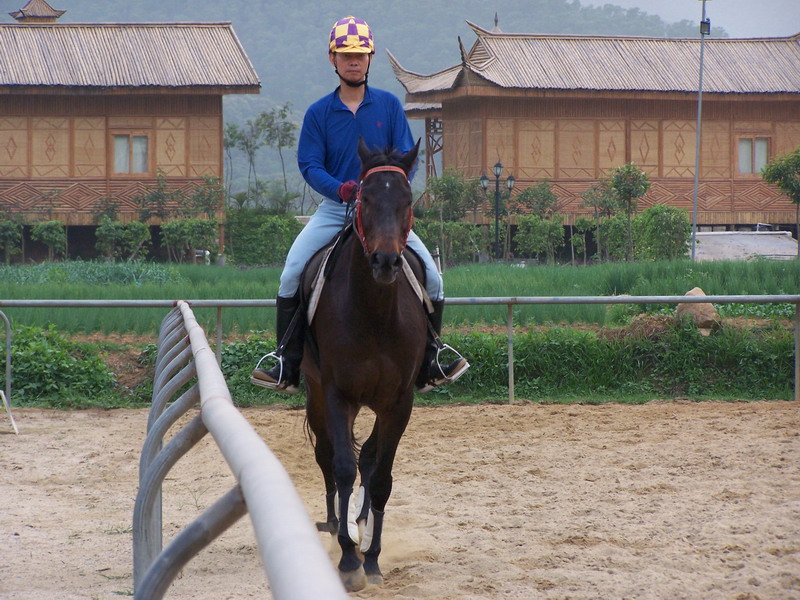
(385, 266)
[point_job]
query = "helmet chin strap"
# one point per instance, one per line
(350, 83)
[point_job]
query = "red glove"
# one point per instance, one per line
(347, 191)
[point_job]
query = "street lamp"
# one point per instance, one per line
(497, 169)
(705, 29)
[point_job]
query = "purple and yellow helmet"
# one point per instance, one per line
(351, 35)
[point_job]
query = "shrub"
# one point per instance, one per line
(121, 240)
(662, 233)
(48, 367)
(52, 235)
(256, 237)
(457, 242)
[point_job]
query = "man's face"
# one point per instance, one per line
(352, 66)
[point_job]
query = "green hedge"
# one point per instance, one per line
(674, 361)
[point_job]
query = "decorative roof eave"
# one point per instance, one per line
(37, 11)
(416, 82)
(423, 110)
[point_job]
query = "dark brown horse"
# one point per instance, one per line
(369, 333)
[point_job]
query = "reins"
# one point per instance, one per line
(357, 221)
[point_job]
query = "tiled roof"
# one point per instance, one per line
(136, 56)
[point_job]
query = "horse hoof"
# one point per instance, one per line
(354, 581)
(375, 579)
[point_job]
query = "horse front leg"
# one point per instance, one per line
(390, 429)
(323, 453)
(340, 417)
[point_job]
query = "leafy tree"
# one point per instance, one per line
(10, 238)
(230, 141)
(279, 132)
(539, 200)
(53, 235)
(121, 240)
(206, 200)
(629, 184)
(157, 202)
(603, 202)
(250, 141)
(614, 231)
(458, 242)
(276, 236)
(784, 172)
(106, 207)
(535, 236)
(583, 225)
(182, 237)
(662, 233)
(452, 194)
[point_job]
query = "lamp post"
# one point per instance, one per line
(497, 169)
(705, 29)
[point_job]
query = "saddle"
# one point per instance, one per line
(320, 265)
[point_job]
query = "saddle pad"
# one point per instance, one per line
(318, 282)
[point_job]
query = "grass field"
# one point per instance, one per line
(98, 281)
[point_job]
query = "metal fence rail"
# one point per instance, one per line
(296, 564)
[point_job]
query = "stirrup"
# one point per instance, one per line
(436, 381)
(281, 385)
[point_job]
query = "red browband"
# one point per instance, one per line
(359, 225)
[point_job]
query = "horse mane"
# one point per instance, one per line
(379, 158)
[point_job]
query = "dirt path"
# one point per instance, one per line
(664, 500)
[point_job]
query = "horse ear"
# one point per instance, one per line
(363, 151)
(410, 157)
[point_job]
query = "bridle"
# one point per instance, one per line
(358, 223)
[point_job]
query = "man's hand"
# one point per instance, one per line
(347, 191)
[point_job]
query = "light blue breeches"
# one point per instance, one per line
(323, 225)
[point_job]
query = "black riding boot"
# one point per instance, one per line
(433, 374)
(285, 376)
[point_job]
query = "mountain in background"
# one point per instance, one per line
(287, 40)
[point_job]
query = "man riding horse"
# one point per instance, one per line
(328, 159)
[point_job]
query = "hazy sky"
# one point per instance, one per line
(740, 18)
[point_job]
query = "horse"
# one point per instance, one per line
(366, 345)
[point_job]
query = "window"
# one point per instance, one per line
(753, 155)
(131, 153)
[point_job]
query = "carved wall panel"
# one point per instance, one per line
(89, 146)
(50, 147)
(645, 147)
(13, 147)
(610, 145)
(171, 146)
(536, 150)
(715, 149)
(500, 144)
(204, 147)
(679, 139)
(787, 137)
(576, 148)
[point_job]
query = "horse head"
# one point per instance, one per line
(383, 208)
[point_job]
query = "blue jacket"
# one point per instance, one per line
(327, 152)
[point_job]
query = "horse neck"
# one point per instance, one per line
(364, 290)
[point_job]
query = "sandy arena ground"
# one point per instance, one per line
(663, 500)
